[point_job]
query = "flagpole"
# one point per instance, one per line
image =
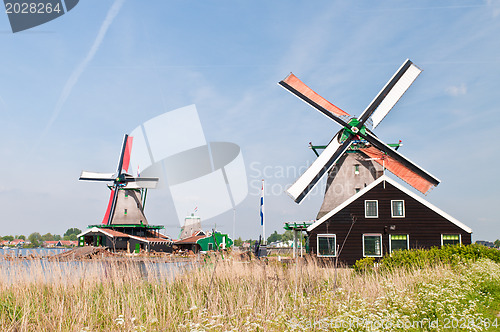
(262, 219)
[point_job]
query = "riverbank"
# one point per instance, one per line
(225, 293)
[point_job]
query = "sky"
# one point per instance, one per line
(70, 89)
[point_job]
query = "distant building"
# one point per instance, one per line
(17, 242)
(50, 244)
(192, 225)
(486, 244)
(201, 241)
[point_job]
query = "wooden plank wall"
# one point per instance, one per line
(423, 225)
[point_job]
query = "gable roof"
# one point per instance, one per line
(108, 232)
(401, 188)
(190, 240)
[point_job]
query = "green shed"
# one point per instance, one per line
(209, 243)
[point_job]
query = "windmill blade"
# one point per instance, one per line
(106, 218)
(399, 165)
(391, 93)
(111, 207)
(94, 176)
(140, 183)
(302, 91)
(124, 160)
(306, 182)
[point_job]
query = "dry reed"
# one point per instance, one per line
(244, 295)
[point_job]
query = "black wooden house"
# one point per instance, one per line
(383, 217)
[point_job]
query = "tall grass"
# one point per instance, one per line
(243, 296)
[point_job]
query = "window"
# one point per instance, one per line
(210, 246)
(398, 242)
(372, 245)
(371, 209)
(356, 169)
(357, 190)
(450, 239)
(125, 211)
(398, 209)
(327, 245)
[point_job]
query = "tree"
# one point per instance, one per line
(57, 237)
(238, 242)
(22, 237)
(70, 231)
(8, 238)
(47, 237)
(497, 243)
(274, 237)
(73, 237)
(287, 236)
(35, 239)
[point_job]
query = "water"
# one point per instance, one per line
(36, 252)
(43, 270)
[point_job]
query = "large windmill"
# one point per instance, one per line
(355, 136)
(127, 199)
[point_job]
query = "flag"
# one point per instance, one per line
(196, 209)
(262, 205)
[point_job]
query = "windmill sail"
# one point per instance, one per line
(395, 94)
(355, 129)
(306, 182)
(308, 95)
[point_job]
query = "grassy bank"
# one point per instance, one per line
(248, 296)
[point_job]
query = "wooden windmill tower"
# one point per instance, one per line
(355, 156)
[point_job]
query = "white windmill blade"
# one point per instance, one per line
(142, 183)
(94, 176)
(306, 182)
(391, 93)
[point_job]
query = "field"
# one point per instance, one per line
(248, 296)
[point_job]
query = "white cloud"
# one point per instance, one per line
(457, 90)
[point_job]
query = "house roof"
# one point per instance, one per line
(191, 239)
(108, 232)
(113, 233)
(401, 188)
(68, 243)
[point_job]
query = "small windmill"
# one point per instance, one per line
(123, 186)
(355, 135)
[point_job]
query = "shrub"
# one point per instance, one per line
(450, 255)
(364, 265)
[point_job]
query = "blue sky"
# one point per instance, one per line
(71, 88)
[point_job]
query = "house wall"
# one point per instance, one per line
(161, 247)
(423, 225)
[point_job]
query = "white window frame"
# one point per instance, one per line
(317, 244)
(366, 210)
(381, 245)
(392, 209)
(407, 242)
(459, 238)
